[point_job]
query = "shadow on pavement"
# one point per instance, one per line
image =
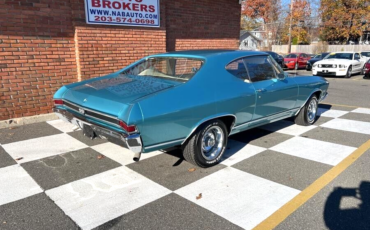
(357, 218)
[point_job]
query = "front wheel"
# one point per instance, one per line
(206, 147)
(307, 115)
(349, 72)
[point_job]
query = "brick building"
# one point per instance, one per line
(45, 44)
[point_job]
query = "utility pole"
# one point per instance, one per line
(290, 27)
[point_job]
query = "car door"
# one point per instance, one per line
(357, 65)
(239, 96)
(303, 60)
(275, 93)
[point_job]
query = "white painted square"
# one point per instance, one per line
(120, 154)
(320, 151)
(331, 113)
(287, 127)
(242, 198)
(348, 125)
(95, 200)
(16, 184)
(237, 151)
(361, 110)
(37, 148)
(63, 126)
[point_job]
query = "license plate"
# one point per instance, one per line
(325, 71)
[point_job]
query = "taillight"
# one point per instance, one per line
(58, 102)
(128, 128)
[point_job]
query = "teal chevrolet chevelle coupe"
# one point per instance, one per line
(189, 99)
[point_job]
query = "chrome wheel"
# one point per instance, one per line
(212, 143)
(349, 72)
(311, 111)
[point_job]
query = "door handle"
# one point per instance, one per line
(261, 90)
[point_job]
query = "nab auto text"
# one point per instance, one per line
(108, 11)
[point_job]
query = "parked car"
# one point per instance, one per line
(296, 60)
(366, 54)
(189, 99)
(318, 57)
(278, 58)
(366, 70)
(339, 64)
(311, 55)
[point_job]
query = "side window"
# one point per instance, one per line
(237, 69)
(259, 68)
(357, 56)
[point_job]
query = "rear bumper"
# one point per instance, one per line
(131, 142)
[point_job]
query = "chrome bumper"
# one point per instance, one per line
(323, 97)
(131, 142)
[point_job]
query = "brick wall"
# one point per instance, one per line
(45, 44)
(203, 24)
(36, 55)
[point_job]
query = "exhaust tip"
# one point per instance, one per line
(137, 157)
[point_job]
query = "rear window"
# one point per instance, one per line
(177, 69)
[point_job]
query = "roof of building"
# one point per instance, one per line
(245, 33)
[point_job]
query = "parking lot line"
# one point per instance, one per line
(348, 106)
(280, 215)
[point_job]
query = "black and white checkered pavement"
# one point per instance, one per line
(52, 177)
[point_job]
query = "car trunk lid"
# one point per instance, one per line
(114, 95)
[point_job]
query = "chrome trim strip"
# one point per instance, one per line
(86, 115)
(202, 122)
(272, 117)
(161, 144)
(91, 110)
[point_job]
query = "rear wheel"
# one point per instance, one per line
(307, 115)
(206, 147)
(349, 72)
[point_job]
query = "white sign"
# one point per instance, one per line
(123, 12)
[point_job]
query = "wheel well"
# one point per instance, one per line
(228, 121)
(317, 94)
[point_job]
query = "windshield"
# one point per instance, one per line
(291, 56)
(318, 56)
(169, 68)
(348, 56)
(367, 54)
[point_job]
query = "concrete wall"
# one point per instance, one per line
(312, 48)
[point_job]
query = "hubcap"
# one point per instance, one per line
(311, 111)
(212, 142)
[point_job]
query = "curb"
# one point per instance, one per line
(27, 120)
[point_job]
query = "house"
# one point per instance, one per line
(249, 40)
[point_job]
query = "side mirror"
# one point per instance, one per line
(282, 75)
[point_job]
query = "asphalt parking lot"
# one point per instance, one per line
(51, 177)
